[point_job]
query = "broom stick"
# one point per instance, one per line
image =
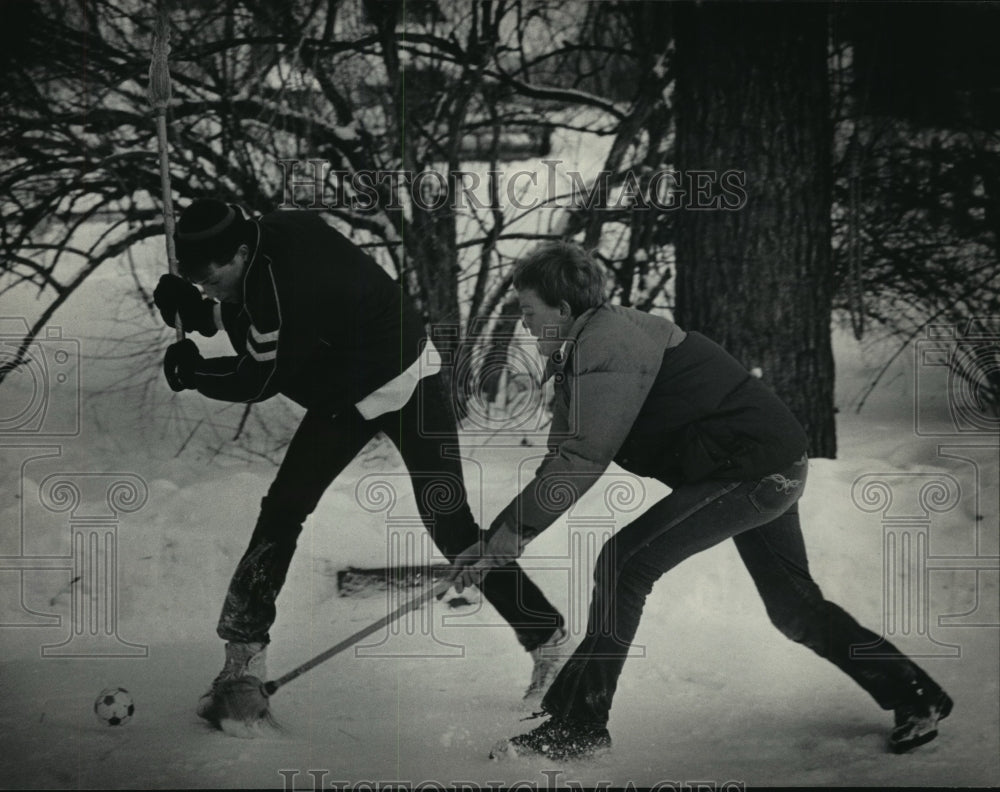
(435, 591)
(159, 99)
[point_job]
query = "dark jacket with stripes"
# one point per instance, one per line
(319, 322)
(635, 389)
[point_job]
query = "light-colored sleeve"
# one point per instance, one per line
(606, 395)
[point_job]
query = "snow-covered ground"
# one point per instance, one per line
(117, 542)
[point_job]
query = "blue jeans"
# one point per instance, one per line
(761, 516)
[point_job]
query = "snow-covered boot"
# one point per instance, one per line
(548, 659)
(559, 739)
(242, 659)
(917, 720)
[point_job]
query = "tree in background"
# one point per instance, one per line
(445, 89)
(752, 95)
(269, 95)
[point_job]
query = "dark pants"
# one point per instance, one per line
(424, 432)
(762, 518)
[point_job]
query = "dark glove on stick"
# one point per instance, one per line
(174, 296)
(179, 364)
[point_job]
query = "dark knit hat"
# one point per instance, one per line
(209, 232)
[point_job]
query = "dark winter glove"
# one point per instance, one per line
(175, 297)
(498, 547)
(179, 364)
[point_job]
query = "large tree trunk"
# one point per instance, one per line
(752, 96)
(434, 255)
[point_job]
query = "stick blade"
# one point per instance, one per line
(239, 707)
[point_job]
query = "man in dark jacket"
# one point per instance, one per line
(311, 316)
(637, 390)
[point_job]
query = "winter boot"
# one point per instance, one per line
(917, 720)
(559, 739)
(548, 659)
(242, 659)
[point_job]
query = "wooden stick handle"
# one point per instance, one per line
(159, 99)
(434, 591)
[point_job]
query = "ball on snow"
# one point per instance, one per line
(114, 707)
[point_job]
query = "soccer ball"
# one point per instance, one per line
(114, 706)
